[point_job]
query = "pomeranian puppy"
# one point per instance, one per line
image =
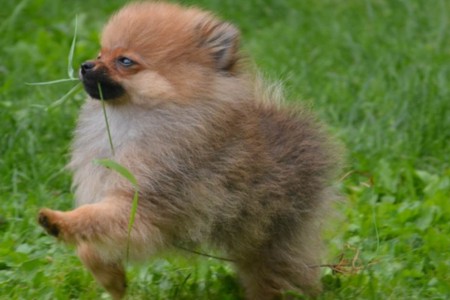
(218, 162)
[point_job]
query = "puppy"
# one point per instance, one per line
(218, 162)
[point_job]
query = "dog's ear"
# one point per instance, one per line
(221, 39)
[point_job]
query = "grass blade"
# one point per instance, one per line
(65, 97)
(105, 115)
(52, 81)
(70, 70)
(134, 206)
(125, 173)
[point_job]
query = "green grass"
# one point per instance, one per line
(377, 71)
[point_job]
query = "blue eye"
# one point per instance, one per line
(125, 61)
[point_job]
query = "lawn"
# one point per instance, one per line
(376, 71)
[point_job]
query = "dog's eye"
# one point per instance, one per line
(125, 61)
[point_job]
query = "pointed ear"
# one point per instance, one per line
(222, 41)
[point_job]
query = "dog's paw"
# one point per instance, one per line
(48, 220)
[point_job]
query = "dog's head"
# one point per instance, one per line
(157, 52)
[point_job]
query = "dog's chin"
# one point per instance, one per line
(103, 90)
(102, 87)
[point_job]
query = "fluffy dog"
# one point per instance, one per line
(218, 161)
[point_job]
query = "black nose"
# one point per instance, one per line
(87, 66)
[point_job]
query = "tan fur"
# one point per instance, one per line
(217, 161)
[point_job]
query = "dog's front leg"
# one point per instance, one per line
(107, 219)
(100, 232)
(110, 274)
